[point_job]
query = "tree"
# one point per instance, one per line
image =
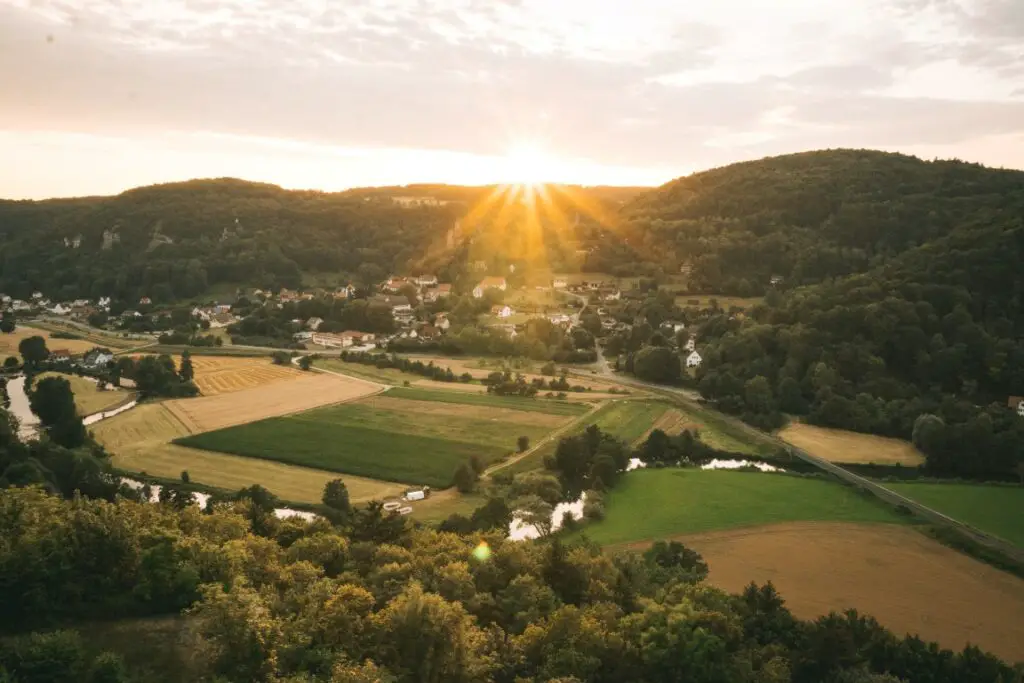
(185, 478)
(477, 464)
(465, 478)
(336, 496)
(33, 350)
(928, 434)
(657, 364)
(8, 322)
(305, 362)
(281, 357)
(11, 362)
(186, 371)
(522, 443)
(54, 403)
(757, 394)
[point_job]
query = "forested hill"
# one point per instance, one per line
(812, 216)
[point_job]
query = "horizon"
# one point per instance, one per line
(103, 98)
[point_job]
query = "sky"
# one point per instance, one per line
(97, 97)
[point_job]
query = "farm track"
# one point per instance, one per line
(558, 433)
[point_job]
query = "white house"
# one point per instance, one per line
(442, 322)
(559, 318)
(559, 283)
(694, 360)
(104, 302)
(302, 336)
(502, 311)
(37, 295)
(338, 341)
(145, 301)
(691, 345)
(97, 358)
(426, 280)
(60, 309)
(489, 283)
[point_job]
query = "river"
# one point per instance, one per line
(28, 423)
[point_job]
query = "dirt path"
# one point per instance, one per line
(558, 433)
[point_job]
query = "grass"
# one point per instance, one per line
(654, 504)
(370, 372)
(997, 510)
(139, 442)
(96, 337)
(629, 420)
(538, 405)
(725, 434)
(837, 445)
(88, 398)
(370, 441)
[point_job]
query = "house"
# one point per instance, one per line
(19, 305)
(60, 355)
(691, 345)
(97, 358)
(560, 318)
(314, 323)
(1017, 403)
(104, 302)
(145, 301)
(287, 295)
(425, 280)
(776, 280)
(441, 322)
(559, 283)
(60, 309)
(489, 283)
(302, 336)
(694, 360)
(439, 292)
(357, 338)
(201, 313)
(612, 295)
(80, 303)
(37, 295)
(686, 269)
(337, 341)
(395, 284)
(344, 292)
(429, 332)
(218, 320)
(502, 311)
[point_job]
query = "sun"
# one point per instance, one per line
(526, 163)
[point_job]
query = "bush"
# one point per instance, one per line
(523, 443)
(465, 478)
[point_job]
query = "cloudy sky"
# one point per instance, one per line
(100, 96)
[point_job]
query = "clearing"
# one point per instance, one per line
(139, 442)
(388, 437)
(994, 509)
(647, 505)
(837, 445)
(207, 413)
(89, 398)
(215, 375)
(9, 342)
(909, 582)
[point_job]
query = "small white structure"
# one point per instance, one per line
(60, 309)
(426, 280)
(415, 495)
(314, 323)
(502, 311)
(559, 283)
(1016, 403)
(694, 360)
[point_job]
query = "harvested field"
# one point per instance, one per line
(837, 445)
(9, 342)
(217, 375)
(139, 441)
(671, 422)
(386, 437)
(909, 582)
(208, 413)
(88, 397)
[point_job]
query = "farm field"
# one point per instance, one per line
(384, 437)
(630, 420)
(837, 445)
(539, 405)
(92, 335)
(909, 582)
(88, 398)
(9, 342)
(369, 372)
(997, 510)
(215, 375)
(648, 505)
(207, 413)
(139, 441)
(717, 431)
(473, 367)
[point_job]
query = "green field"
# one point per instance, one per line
(370, 372)
(365, 440)
(654, 504)
(998, 510)
(629, 420)
(537, 405)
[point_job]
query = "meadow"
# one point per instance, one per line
(837, 445)
(663, 503)
(997, 510)
(419, 442)
(539, 405)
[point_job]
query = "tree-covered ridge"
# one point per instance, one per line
(812, 216)
(374, 599)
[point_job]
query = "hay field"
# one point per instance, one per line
(207, 413)
(837, 445)
(139, 442)
(217, 375)
(88, 398)
(9, 342)
(909, 582)
(392, 438)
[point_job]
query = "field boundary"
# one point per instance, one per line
(547, 439)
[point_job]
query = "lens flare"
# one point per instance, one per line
(482, 552)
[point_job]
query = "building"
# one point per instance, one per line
(441, 291)
(691, 345)
(60, 309)
(489, 283)
(425, 280)
(612, 295)
(97, 358)
(302, 336)
(60, 355)
(344, 292)
(441, 322)
(314, 323)
(694, 360)
(1017, 403)
(336, 341)
(218, 320)
(357, 338)
(776, 280)
(559, 283)
(145, 301)
(560, 318)
(502, 311)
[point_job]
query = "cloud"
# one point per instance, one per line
(653, 83)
